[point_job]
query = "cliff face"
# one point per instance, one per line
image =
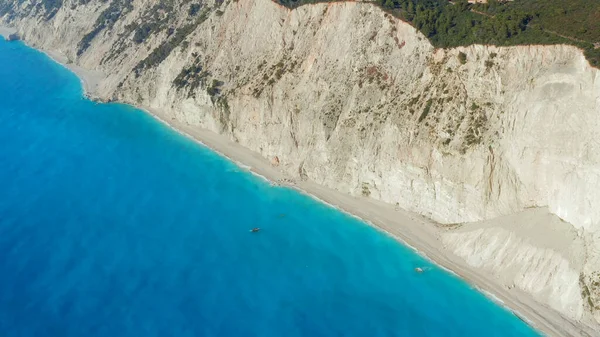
(347, 96)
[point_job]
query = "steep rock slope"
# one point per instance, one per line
(346, 95)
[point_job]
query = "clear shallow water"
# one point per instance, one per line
(113, 225)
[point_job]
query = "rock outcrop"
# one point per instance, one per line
(352, 98)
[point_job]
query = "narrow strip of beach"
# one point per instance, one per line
(410, 229)
(90, 79)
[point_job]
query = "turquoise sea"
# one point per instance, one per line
(113, 225)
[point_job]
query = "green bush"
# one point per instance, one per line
(501, 23)
(164, 50)
(462, 57)
(106, 20)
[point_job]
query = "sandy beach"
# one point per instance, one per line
(411, 229)
(90, 79)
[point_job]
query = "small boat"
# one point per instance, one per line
(419, 270)
(255, 230)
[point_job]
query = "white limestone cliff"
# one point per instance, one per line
(347, 96)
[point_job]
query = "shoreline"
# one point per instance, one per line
(410, 229)
(90, 79)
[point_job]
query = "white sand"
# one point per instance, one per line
(90, 79)
(409, 228)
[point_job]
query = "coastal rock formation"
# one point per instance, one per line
(350, 97)
(532, 250)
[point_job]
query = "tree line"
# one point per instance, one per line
(502, 23)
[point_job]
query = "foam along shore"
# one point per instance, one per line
(411, 229)
(90, 79)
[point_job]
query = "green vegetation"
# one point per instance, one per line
(153, 20)
(425, 111)
(51, 7)
(46, 7)
(572, 18)
(106, 20)
(462, 58)
(190, 77)
(194, 9)
(161, 52)
(156, 19)
(365, 190)
(6, 8)
(521, 22)
(214, 89)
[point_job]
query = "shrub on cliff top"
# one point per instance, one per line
(502, 23)
(462, 57)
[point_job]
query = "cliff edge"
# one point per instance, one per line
(351, 98)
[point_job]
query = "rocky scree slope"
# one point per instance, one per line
(348, 96)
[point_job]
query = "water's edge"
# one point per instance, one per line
(411, 230)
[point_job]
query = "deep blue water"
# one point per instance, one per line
(113, 225)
